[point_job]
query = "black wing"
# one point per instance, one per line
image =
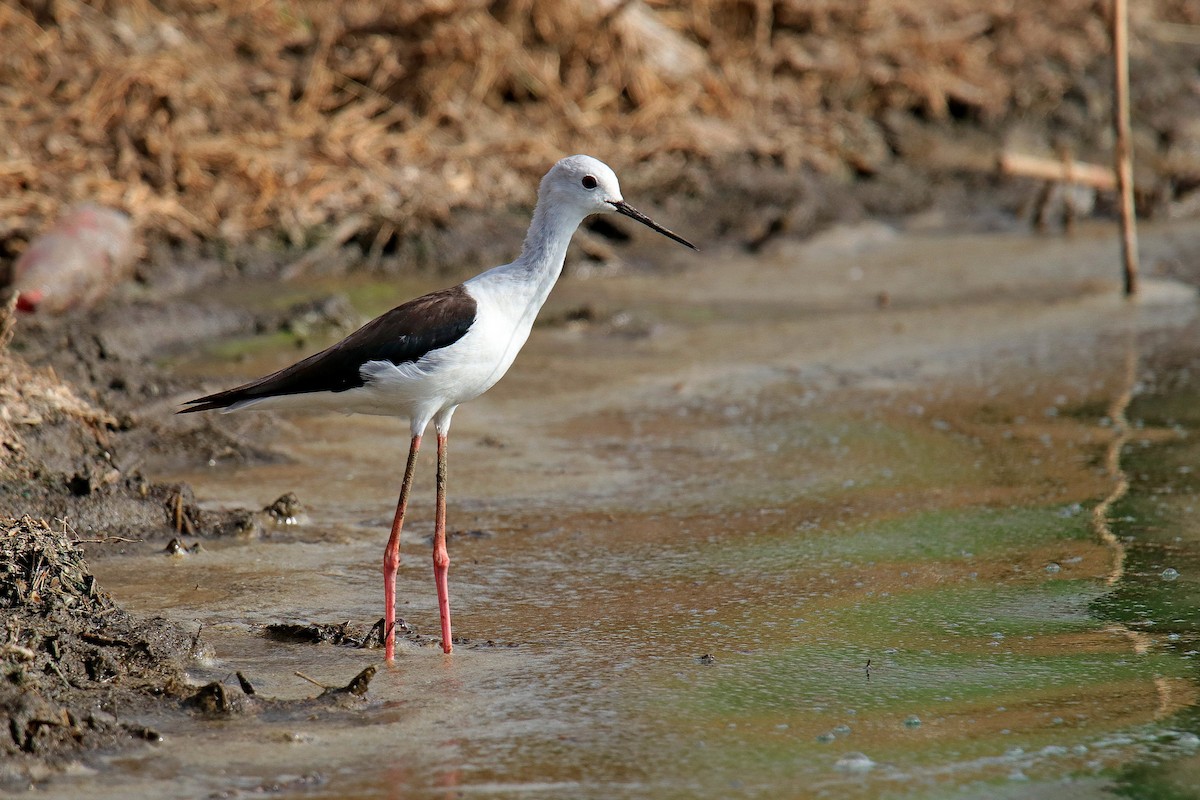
(404, 334)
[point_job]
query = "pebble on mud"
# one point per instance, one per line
(286, 510)
(176, 547)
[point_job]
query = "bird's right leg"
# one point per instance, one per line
(391, 554)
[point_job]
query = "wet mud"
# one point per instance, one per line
(78, 431)
(77, 668)
(79, 671)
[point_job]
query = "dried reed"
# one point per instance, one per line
(232, 119)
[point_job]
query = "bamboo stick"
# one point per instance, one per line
(1058, 170)
(1123, 155)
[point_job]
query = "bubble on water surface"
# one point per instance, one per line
(854, 762)
(1170, 574)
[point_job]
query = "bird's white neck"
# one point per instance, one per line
(528, 280)
(545, 247)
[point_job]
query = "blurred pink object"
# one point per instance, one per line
(87, 252)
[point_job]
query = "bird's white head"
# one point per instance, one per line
(582, 181)
(589, 186)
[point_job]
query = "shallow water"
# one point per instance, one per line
(753, 536)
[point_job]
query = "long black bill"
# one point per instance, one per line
(624, 208)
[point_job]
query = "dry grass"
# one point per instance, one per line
(230, 118)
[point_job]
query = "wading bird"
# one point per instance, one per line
(422, 359)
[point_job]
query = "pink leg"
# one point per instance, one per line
(391, 555)
(441, 559)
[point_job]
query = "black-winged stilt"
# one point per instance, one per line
(422, 359)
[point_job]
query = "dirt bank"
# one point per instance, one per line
(76, 667)
(373, 123)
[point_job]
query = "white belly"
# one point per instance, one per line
(451, 375)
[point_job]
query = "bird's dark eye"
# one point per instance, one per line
(590, 182)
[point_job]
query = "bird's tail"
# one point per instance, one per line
(229, 400)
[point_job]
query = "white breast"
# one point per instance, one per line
(446, 377)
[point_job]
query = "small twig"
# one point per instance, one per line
(178, 511)
(1057, 170)
(59, 673)
(179, 516)
(1176, 32)
(313, 681)
(106, 539)
(104, 641)
(375, 254)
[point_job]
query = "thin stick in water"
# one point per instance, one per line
(1123, 153)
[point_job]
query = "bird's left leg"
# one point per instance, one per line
(441, 559)
(391, 554)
